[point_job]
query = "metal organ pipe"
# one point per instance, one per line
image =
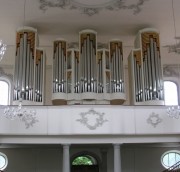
(59, 66)
(100, 74)
(117, 73)
(76, 72)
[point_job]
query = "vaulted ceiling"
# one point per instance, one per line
(110, 18)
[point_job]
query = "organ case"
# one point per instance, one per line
(148, 42)
(25, 62)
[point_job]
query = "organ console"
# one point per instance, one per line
(145, 70)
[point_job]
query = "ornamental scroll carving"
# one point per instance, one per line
(154, 119)
(92, 119)
(92, 9)
(171, 70)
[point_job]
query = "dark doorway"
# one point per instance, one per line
(84, 163)
(84, 168)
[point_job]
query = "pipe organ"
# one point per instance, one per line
(90, 75)
(29, 69)
(145, 69)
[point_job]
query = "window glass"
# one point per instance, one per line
(177, 157)
(82, 160)
(3, 161)
(170, 93)
(170, 158)
(4, 92)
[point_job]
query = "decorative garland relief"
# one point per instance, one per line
(92, 7)
(92, 119)
(154, 119)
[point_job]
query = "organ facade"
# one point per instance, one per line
(87, 74)
(29, 73)
(91, 75)
(145, 70)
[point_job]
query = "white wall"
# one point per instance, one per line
(85, 123)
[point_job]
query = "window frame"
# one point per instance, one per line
(6, 80)
(6, 161)
(94, 157)
(9, 79)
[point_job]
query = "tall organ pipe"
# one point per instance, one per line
(59, 66)
(117, 70)
(39, 75)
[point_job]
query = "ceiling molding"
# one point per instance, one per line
(92, 9)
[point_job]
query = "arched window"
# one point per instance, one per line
(4, 92)
(84, 160)
(170, 158)
(3, 161)
(170, 93)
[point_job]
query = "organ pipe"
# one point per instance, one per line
(76, 73)
(117, 71)
(59, 66)
(39, 75)
(100, 72)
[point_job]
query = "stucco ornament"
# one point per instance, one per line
(154, 119)
(92, 7)
(3, 74)
(92, 119)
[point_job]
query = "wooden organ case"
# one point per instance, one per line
(145, 70)
(87, 75)
(29, 72)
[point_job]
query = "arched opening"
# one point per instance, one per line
(84, 163)
(170, 93)
(4, 92)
